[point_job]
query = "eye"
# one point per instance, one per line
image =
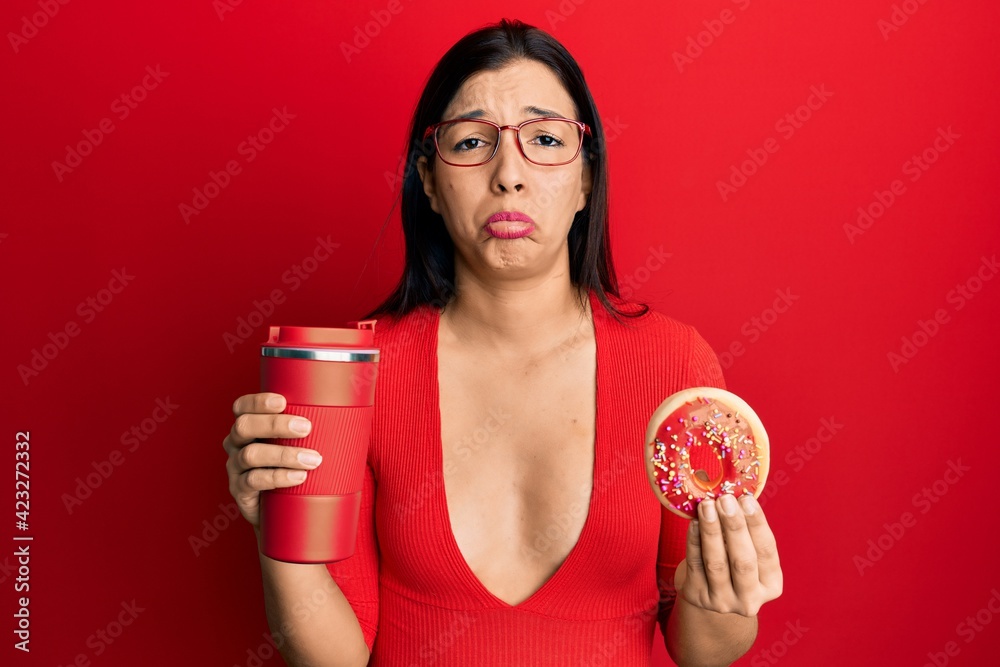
(547, 134)
(548, 140)
(469, 144)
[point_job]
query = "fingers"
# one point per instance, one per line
(257, 466)
(739, 546)
(261, 466)
(262, 402)
(249, 427)
(255, 480)
(765, 546)
(695, 565)
(733, 559)
(713, 550)
(265, 455)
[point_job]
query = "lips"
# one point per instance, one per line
(510, 215)
(509, 225)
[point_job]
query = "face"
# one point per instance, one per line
(467, 197)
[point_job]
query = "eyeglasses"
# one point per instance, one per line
(549, 142)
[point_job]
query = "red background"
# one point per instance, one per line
(327, 174)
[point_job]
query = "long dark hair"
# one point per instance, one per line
(429, 273)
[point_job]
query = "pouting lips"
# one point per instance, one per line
(509, 229)
(509, 215)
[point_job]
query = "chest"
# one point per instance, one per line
(487, 475)
(522, 422)
(518, 453)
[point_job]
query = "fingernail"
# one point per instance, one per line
(273, 403)
(300, 425)
(749, 503)
(297, 475)
(710, 514)
(310, 459)
(728, 504)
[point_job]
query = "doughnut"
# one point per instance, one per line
(702, 442)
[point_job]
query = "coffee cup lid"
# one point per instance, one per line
(322, 342)
(363, 335)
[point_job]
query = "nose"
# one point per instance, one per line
(508, 164)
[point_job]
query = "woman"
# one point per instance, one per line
(506, 518)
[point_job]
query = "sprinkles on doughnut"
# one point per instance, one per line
(702, 442)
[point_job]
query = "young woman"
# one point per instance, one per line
(506, 518)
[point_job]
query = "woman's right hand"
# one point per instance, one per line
(257, 466)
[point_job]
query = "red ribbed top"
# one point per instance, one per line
(416, 598)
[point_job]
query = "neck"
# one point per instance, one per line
(516, 321)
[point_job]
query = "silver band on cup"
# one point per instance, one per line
(319, 354)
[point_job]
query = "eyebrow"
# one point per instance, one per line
(530, 110)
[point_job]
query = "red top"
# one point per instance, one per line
(416, 598)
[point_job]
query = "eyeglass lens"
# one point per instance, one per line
(547, 141)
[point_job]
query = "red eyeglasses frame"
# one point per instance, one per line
(432, 130)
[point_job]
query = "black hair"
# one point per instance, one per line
(429, 272)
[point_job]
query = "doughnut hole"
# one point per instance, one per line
(706, 464)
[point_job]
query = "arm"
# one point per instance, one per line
(329, 613)
(712, 596)
(697, 636)
(722, 583)
(312, 622)
(693, 635)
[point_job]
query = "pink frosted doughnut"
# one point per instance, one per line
(703, 442)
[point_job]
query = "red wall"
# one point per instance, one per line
(888, 325)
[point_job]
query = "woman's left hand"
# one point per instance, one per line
(731, 564)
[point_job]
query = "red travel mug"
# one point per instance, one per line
(326, 375)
